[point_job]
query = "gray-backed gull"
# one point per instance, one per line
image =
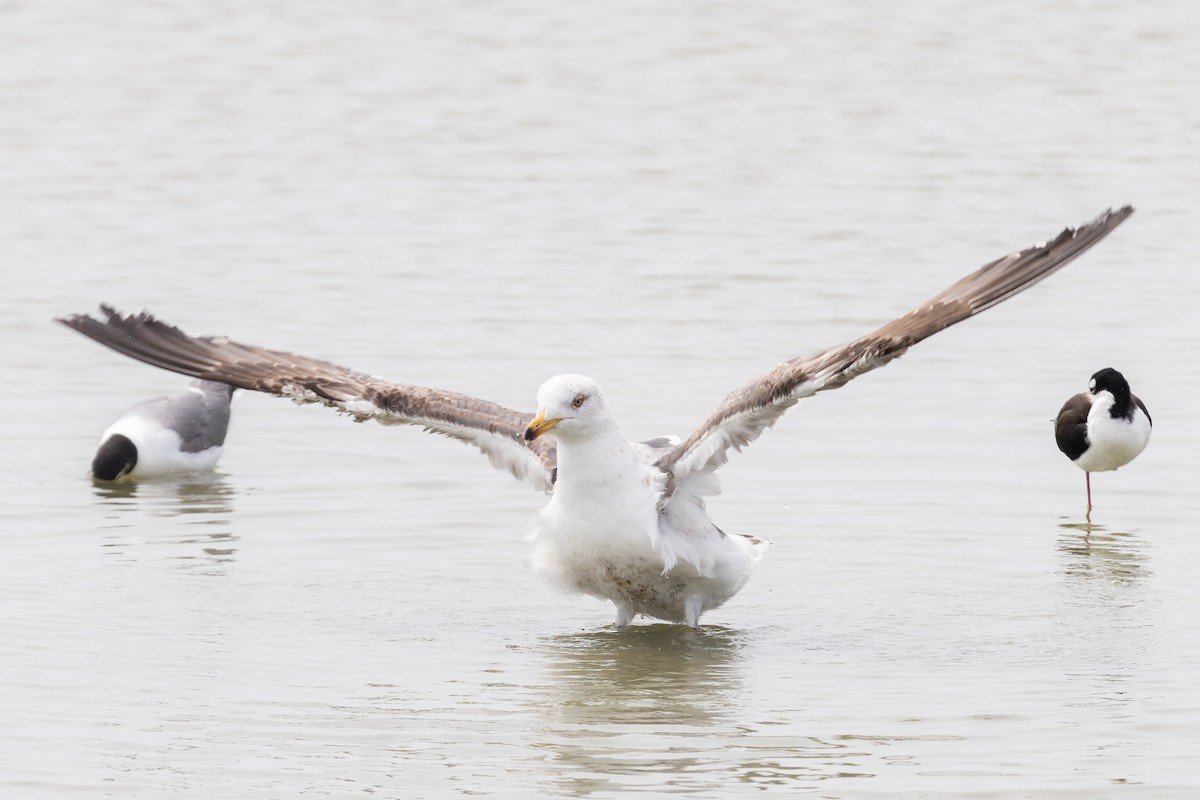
(166, 436)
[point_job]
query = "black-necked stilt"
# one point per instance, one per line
(166, 435)
(1103, 428)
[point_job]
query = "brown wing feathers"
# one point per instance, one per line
(740, 418)
(142, 337)
(745, 413)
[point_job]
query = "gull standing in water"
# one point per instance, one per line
(1103, 428)
(167, 436)
(626, 521)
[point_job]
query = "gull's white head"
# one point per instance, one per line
(570, 405)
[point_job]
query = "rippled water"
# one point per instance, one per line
(671, 199)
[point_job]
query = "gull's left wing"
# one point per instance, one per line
(497, 431)
(746, 413)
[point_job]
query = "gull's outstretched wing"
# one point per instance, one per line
(746, 413)
(498, 431)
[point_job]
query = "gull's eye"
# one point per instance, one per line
(579, 400)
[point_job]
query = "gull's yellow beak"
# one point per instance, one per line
(540, 425)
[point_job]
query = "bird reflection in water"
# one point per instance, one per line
(1089, 550)
(1102, 611)
(663, 674)
(190, 511)
(668, 708)
(610, 689)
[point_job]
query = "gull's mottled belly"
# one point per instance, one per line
(642, 585)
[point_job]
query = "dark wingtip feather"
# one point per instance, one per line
(142, 337)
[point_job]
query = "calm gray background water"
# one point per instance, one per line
(670, 198)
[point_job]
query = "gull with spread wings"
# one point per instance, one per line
(626, 521)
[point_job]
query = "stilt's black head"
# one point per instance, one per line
(116, 457)
(1109, 380)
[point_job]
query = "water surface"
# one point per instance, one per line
(670, 200)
